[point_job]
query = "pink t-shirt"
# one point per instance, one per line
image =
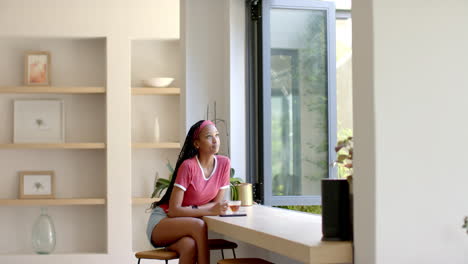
(198, 189)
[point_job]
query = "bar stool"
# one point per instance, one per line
(158, 254)
(221, 244)
(244, 261)
(166, 254)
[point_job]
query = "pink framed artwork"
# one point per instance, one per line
(37, 68)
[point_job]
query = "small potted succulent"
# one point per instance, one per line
(233, 182)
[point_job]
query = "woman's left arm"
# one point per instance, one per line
(177, 210)
(218, 199)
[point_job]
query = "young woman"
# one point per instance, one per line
(197, 189)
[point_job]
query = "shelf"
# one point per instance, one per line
(144, 200)
(53, 146)
(155, 91)
(160, 145)
(52, 90)
(52, 202)
(31, 257)
(81, 194)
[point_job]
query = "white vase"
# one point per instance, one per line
(156, 129)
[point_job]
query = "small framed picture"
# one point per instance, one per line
(37, 68)
(36, 184)
(38, 121)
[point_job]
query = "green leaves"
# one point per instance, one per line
(169, 167)
(234, 193)
(344, 159)
(160, 184)
(233, 182)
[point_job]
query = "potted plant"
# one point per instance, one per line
(233, 182)
(344, 159)
(337, 196)
(161, 184)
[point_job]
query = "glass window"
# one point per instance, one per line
(298, 99)
(299, 91)
(301, 97)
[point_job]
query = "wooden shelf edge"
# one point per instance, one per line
(52, 89)
(27, 255)
(160, 145)
(52, 202)
(144, 200)
(155, 91)
(53, 146)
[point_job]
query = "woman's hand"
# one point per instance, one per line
(219, 208)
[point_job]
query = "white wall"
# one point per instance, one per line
(204, 33)
(364, 134)
(237, 90)
(212, 36)
(410, 96)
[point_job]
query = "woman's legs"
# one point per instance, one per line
(187, 249)
(171, 230)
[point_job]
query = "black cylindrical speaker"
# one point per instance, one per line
(336, 210)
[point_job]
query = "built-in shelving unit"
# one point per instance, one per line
(52, 202)
(155, 91)
(158, 145)
(78, 79)
(144, 200)
(51, 90)
(53, 146)
(152, 58)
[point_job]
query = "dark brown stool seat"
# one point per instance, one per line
(244, 261)
(221, 244)
(214, 244)
(159, 254)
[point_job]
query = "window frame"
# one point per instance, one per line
(259, 96)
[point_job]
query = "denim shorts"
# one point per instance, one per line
(157, 214)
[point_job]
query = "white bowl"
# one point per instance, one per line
(159, 81)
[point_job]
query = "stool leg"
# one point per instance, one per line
(234, 253)
(167, 261)
(222, 253)
(138, 261)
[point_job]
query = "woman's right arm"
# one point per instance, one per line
(177, 210)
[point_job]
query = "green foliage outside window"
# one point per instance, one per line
(344, 153)
(313, 209)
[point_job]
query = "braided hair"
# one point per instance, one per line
(188, 151)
